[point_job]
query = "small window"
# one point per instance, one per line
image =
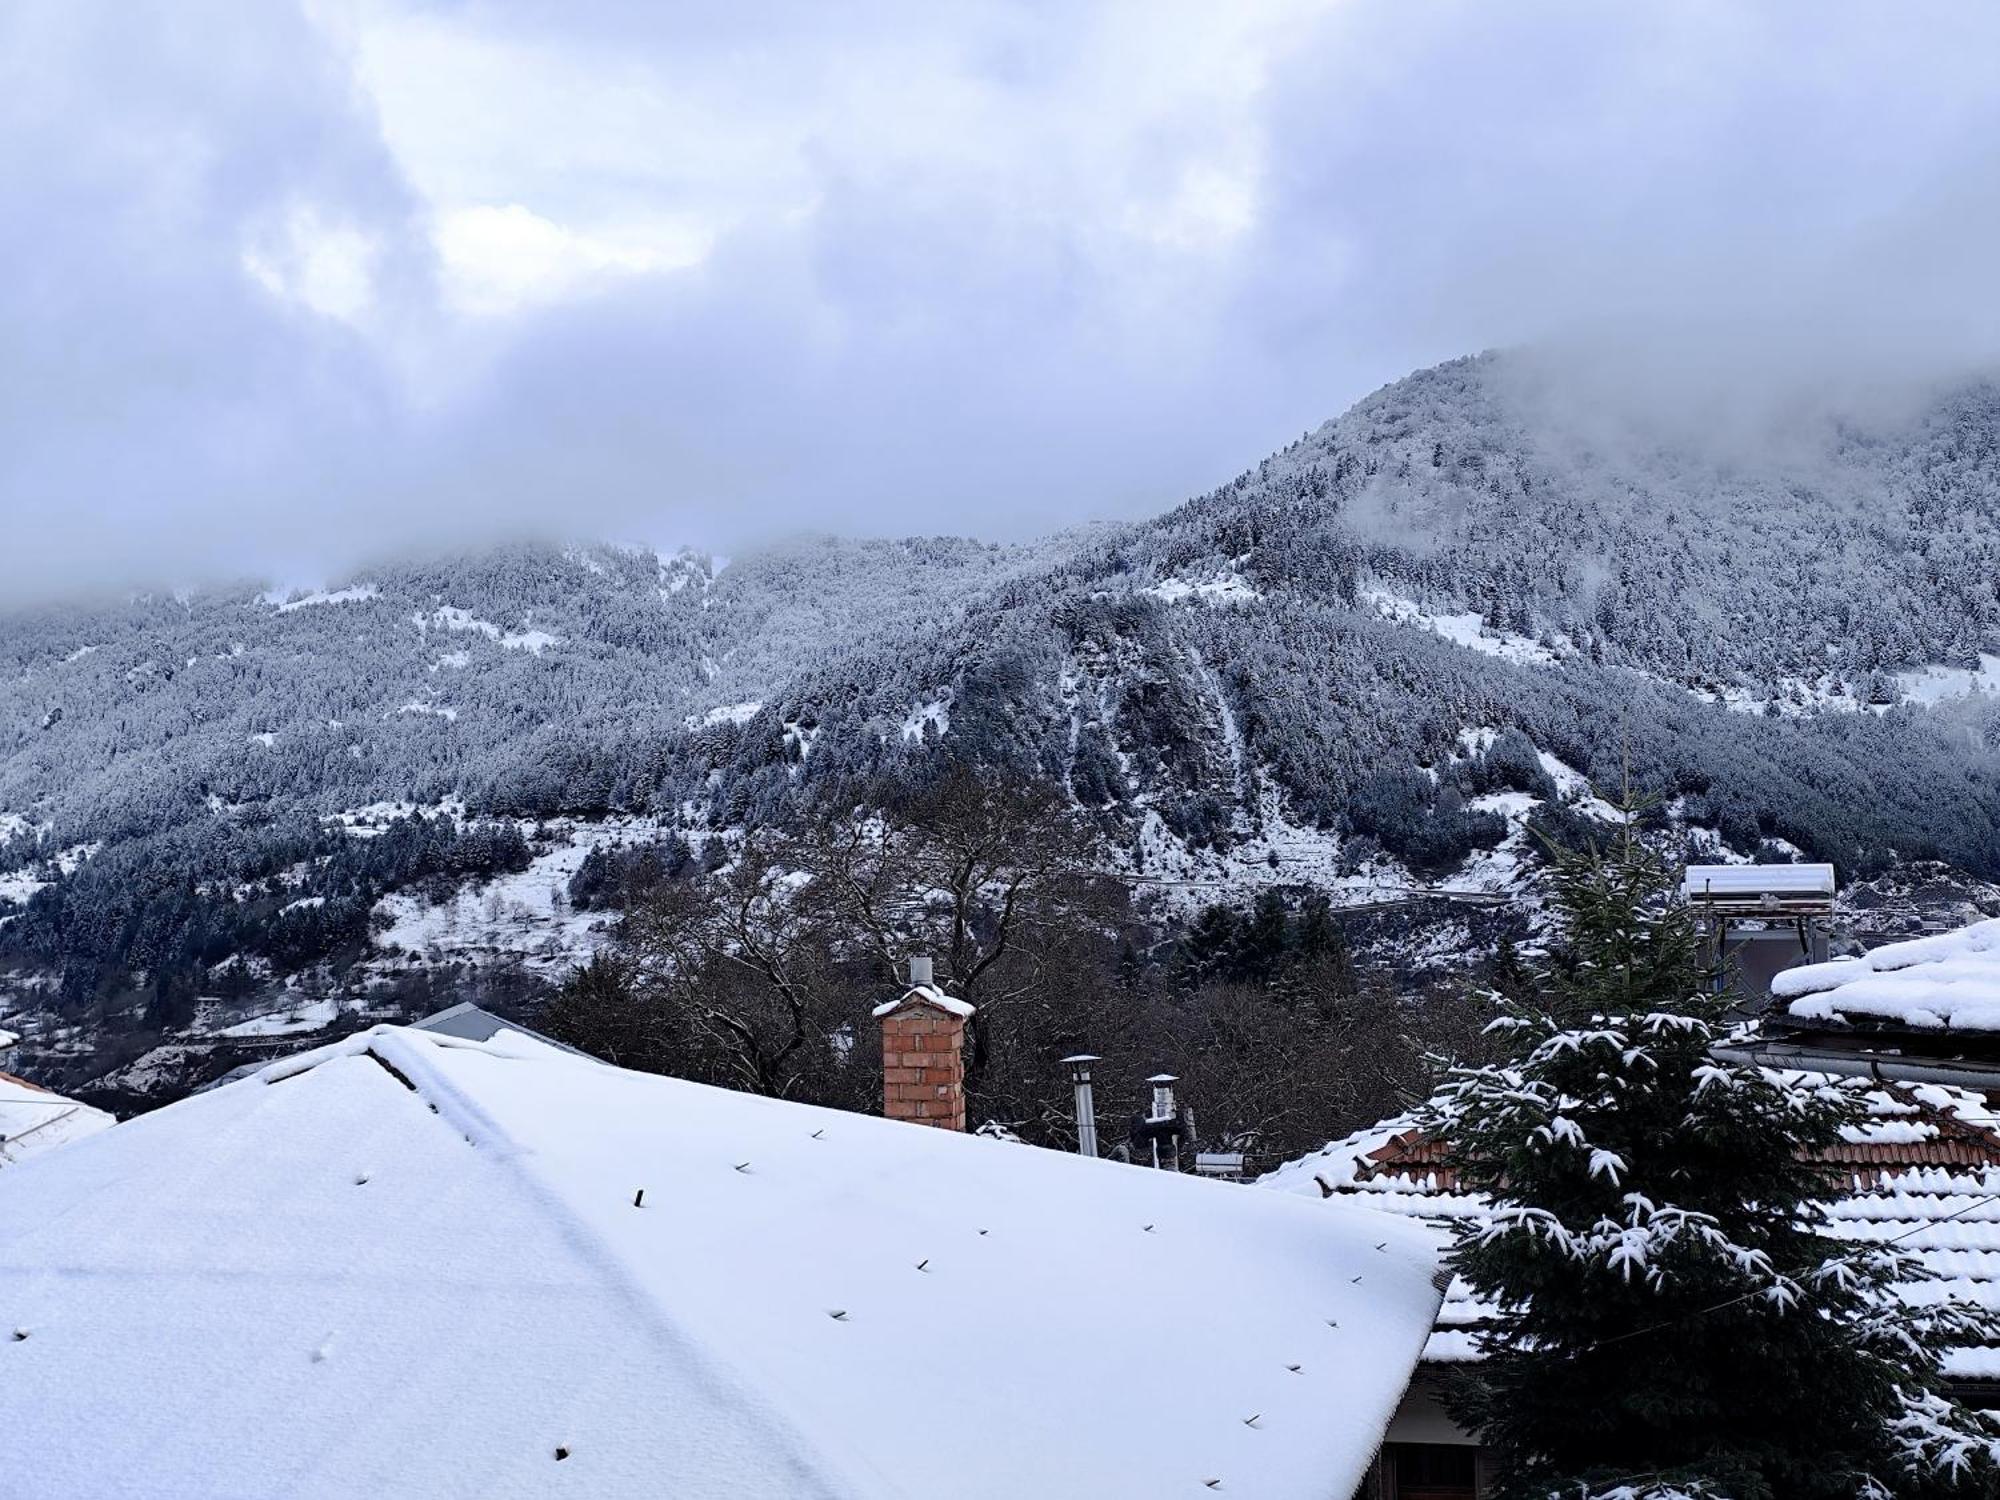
(1432, 1471)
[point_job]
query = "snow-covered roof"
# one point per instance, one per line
(926, 994)
(408, 1263)
(1757, 880)
(1949, 980)
(1923, 1172)
(33, 1120)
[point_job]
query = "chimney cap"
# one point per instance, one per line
(926, 994)
(1083, 1057)
(1164, 1078)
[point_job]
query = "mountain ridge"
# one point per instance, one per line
(1367, 659)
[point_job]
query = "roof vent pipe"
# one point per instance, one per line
(1086, 1107)
(920, 973)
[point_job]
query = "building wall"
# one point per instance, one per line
(1421, 1420)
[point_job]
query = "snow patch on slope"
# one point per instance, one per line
(1467, 630)
(358, 594)
(450, 617)
(1928, 685)
(935, 714)
(725, 713)
(313, 1015)
(525, 915)
(1230, 588)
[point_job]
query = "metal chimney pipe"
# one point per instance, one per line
(1086, 1107)
(920, 973)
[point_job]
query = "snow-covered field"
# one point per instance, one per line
(313, 1015)
(524, 916)
(1929, 685)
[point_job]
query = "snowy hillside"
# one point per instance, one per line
(1384, 659)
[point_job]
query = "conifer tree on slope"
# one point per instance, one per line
(1674, 1320)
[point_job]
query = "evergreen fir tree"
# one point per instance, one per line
(1261, 947)
(1318, 936)
(1210, 944)
(1673, 1320)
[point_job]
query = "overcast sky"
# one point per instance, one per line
(283, 287)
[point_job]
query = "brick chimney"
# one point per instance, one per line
(923, 1053)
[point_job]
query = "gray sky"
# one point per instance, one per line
(283, 287)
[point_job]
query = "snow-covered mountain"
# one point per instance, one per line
(1375, 659)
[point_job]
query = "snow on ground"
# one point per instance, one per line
(725, 713)
(935, 714)
(16, 886)
(355, 595)
(374, 818)
(511, 1319)
(1928, 685)
(1230, 588)
(449, 617)
(1575, 789)
(429, 710)
(525, 915)
(158, 1068)
(534, 642)
(1466, 630)
(801, 735)
(313, 1015)
(452, 661)
(1791, 697)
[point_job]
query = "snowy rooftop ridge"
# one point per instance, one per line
(1946, 981)
(412, 1263)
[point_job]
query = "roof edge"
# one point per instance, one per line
(406, 1054)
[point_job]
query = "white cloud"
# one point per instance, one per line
(1124, 131)
(390, 272)
(499, 260)
(326, 265)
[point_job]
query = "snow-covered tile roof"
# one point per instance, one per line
(34, 1120)
(413, 1264)
(1923, 1171)
(1949, 980)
